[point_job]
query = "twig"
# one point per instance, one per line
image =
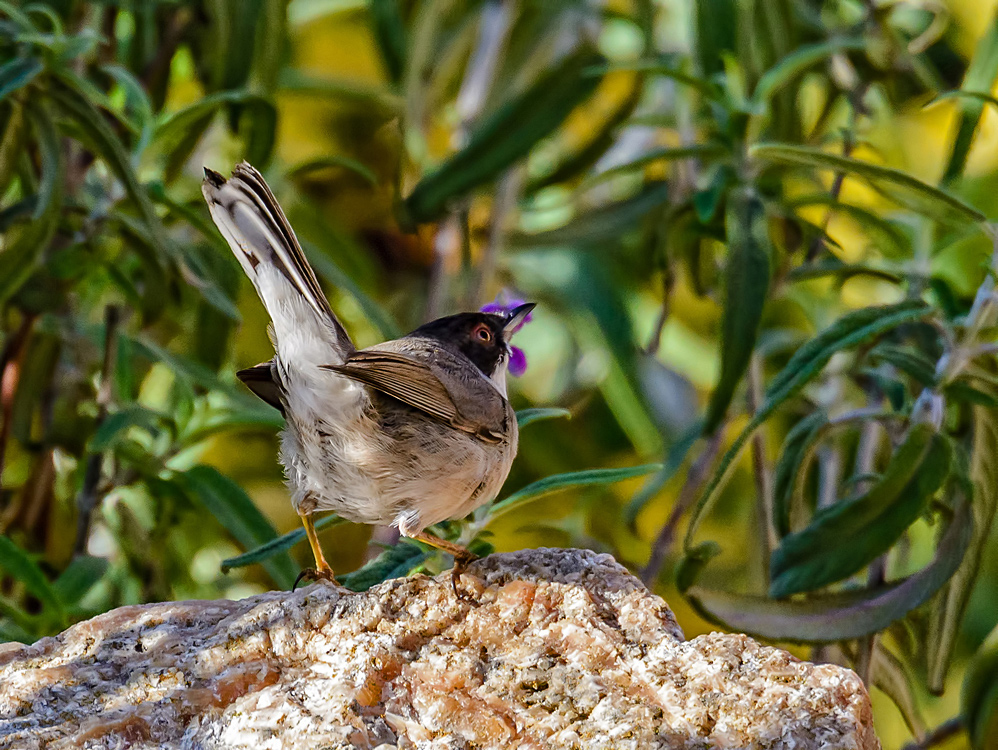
(668, 281)
(940, 734)
(507, 195)
(87, 500)
(10, 376)
(866, 455)
(687, 496)
(848, 144)
(760, 468)
(478, 75)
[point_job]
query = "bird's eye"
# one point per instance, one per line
(482, 333)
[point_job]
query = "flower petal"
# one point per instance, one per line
(517, 361)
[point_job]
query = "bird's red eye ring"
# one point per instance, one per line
(482, 333)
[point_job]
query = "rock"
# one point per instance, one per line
(562, 648)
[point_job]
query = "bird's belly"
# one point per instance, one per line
(376, 472)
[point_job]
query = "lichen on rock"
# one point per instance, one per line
(560, 648)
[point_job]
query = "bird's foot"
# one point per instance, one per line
(460, 565)
(322, 574)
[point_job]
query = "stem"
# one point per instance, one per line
(940, 734)
(10, 376)
(687, 496)
(760, 468)
(89, 495)
(510, 185)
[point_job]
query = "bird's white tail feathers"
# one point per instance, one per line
(305, 330)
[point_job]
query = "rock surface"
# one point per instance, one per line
(563, 648)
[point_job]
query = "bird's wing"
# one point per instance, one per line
(413, 383)
(260, 379)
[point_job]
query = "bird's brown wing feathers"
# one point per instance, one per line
(412, 383)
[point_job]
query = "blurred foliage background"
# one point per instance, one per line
(757, 230)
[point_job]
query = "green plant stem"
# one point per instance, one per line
(939, 735)
(695, 478)
(761, 470)
(88, 498)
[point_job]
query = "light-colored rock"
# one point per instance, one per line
(563, 648)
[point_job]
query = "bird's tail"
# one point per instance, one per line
(252, 222)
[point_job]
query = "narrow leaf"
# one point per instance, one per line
(230, 504)
(600, 225)
(19, 565)
(79, 577)
(837, 617)
(394, 562)
(845, 537)
(280, 544)
(746, 286)
(558, 482)
(926, 196)
(389, 31)
(980, 76)
(790, 464)
(945, 621)
(528, 416)
(17, 74)
(507, 135)
(806, 363)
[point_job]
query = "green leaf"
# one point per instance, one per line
(389, 31)
(980, 76)
(105, 143)
(19, 565)
(799, 62)
(325, 162)
(845, 537)
(907, 189)
(17, 74)
(178, 135)
(790, 464)
(600, 225)
(715, 29)
(674, 459)
(394, 562)
(20, 257)
(745, 289)
(81, 575)
(837, 617)
(662, 67)
(116, 425)
(835, 267)
(506, 135)
(946, 619)
(909, 361)
(548, 485)
(230, 504)
(890, 239)
(330, 272)
(979, 696)
(807, 362)
(280, 544)
(528, 416)
(704, 152)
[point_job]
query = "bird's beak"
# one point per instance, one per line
(516, 318)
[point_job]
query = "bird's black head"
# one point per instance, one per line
(481, 337)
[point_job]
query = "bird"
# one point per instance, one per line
(409, 432)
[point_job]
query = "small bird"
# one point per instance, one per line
(409, 432)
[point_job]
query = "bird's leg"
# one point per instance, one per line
(321, 571)
(462, 556)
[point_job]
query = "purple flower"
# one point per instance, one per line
(502, 306)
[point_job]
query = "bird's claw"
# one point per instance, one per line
(311, 574)
(460, 564)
